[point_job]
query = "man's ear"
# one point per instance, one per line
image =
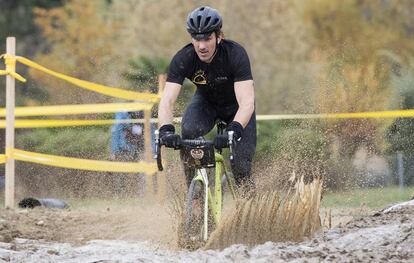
(218, 40)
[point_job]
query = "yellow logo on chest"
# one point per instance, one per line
(200, 77)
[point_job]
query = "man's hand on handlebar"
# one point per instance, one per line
(222, 140)
(168, 137)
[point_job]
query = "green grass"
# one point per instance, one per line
(367, 197)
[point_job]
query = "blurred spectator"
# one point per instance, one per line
(127, 138)
(127, 145)
(2, 182)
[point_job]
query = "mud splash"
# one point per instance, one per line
(272, 217)
(385, 236)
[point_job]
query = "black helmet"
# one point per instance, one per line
(203, 21)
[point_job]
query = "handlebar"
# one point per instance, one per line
(191, 143)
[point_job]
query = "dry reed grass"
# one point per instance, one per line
(275, 216)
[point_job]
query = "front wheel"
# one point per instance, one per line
(194, 216)
(198, 220)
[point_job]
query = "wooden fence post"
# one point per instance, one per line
(155, 184)
(162, 78)
(160, 176)
(147, 134)
(10, 104)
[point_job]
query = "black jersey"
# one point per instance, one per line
(214, 80)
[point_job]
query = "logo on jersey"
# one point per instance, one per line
(200, 77)
(221, 79)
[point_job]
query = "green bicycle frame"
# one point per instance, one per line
(215, 202)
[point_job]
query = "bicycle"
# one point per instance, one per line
(200, 155)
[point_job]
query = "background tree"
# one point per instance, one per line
(143, 73)
(143, 76)
(17, 19)
(353, 40)
(81, 37)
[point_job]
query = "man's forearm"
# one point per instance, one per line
(245, 98)
(165, 113)
(166, 107)
(244, 114)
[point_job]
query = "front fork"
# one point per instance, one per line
(215, 203)
(203, 178)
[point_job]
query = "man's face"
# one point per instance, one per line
(205, 48)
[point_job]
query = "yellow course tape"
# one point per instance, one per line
(67, 123)
(19, 123)
(10, 62)
(102, 89)
(83, 164)
(2, 158)
(356, 115)
(78, 109)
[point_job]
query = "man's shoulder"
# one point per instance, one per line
(232, 45)
(181, 64)
(186, 51)
(233, 49)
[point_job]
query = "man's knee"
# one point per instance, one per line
(242, 169)
(188, 130)
(192, 130)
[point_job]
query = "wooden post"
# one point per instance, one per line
(147, 134)
(160, 177)
(162, 78)
(151, 189)
(10, 103)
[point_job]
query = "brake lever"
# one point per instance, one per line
(157, 154)
(231, 145)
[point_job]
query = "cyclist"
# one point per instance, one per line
(220, 69)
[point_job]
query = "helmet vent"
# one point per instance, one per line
(198, 21)
(192, 22)
(207, 20)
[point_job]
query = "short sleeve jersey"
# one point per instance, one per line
(214, 80)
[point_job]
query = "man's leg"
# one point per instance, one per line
(198, 120)
(243, 156)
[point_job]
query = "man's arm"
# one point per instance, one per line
(244, 91)
(166, 107)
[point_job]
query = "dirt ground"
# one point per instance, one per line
(131, 233)
(132, 221)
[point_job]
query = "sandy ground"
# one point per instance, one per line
(133, 221)
(146, 234)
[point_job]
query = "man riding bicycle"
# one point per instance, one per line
(221, 71)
